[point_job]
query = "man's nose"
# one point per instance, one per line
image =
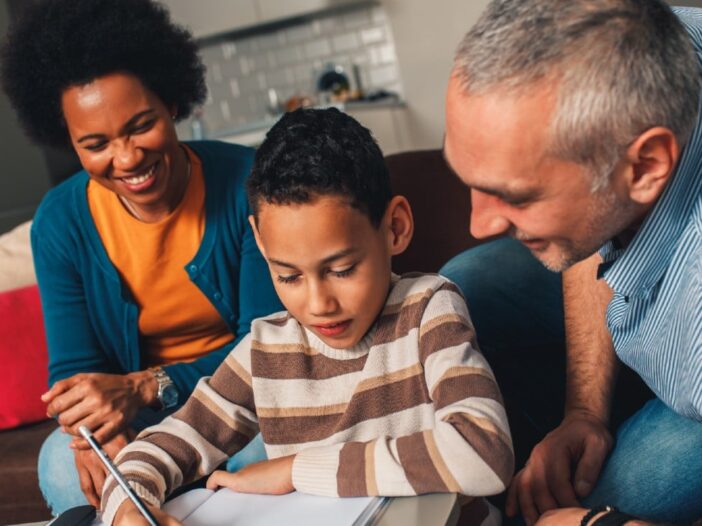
(486, 219)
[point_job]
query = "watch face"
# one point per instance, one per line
(169, 396)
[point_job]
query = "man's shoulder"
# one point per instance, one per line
(691, 18)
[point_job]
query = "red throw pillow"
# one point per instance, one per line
(23, 357)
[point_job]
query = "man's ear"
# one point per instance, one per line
(257, 236)
(400, 224)
(652, 157)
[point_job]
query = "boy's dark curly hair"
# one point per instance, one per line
(56, 44)
(320, 152)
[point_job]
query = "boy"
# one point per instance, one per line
(369, 383)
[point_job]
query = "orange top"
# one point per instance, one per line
(177, 322)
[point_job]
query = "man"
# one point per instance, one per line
(575, 126)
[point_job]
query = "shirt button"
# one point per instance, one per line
(193, 269)
(218, 296)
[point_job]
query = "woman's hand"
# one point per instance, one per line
(104, 403)
(128, 515)
(92, 472)
(270, 477)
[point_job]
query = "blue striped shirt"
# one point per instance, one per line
(655, 316)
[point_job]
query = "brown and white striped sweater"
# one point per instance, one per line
(412, 409)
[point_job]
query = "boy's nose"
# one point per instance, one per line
(320, 300)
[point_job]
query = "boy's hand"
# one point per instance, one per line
(128, 515)
(270, 477)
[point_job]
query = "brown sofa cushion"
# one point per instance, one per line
(20, 497)
(440, 205)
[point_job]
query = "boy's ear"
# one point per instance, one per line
(257, 236)
(652, 158)
(400, 224)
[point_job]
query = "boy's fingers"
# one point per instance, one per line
(219, 479)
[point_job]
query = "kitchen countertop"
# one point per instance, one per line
(253, 132)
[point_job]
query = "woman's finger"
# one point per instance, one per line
(60, 387)
(80, 413)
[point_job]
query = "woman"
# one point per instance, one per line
(147, 267)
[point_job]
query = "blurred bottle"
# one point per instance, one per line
(197, 127)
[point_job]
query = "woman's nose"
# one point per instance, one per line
(127, 155)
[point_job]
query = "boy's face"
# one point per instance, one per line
(330, 266)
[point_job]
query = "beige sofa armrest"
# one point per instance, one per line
(16, 264)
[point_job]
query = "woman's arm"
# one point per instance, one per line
(83, 390)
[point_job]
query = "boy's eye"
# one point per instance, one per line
(288, 279)
(344, 272)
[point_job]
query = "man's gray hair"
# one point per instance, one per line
(621, 67)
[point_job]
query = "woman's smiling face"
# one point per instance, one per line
(125, 139)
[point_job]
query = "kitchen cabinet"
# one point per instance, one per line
(386, 121)
(271, 10)
(211, 17)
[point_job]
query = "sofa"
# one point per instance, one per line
(23, 352)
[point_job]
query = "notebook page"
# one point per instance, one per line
(183, 505)
(227, 508)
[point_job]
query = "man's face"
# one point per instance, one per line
(329, 264)
(498, 145)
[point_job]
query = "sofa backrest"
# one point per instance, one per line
(440, 205)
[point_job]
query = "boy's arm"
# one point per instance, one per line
(468, 450)
(216, 421)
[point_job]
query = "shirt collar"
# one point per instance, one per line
(637, 268)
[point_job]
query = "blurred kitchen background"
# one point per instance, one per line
(386, 62)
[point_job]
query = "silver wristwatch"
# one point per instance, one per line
(167, 391)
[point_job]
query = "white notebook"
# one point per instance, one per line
(203, 507)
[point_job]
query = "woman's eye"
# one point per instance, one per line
(96, 147)
(287, 279)
(145, 126)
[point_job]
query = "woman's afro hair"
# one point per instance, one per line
(55, 44)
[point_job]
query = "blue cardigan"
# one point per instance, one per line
(89, 313)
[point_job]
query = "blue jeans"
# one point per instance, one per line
(655, 468)
(58, 476)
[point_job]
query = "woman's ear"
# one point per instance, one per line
(257, 236)
(400, 224)
(652, 158)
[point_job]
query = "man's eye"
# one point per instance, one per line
(287, 279)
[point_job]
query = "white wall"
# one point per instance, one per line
(427, 33)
